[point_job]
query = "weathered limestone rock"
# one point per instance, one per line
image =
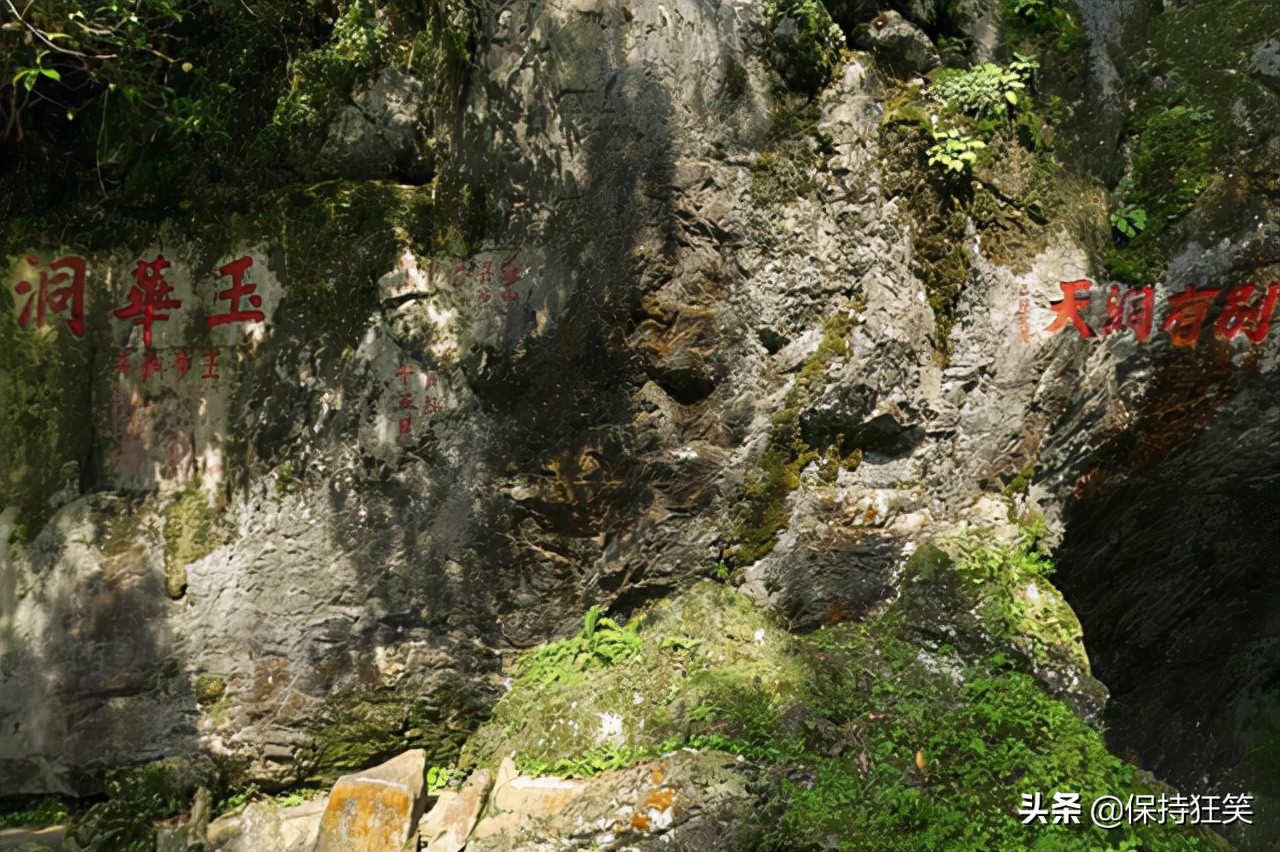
(979, 21)
(588, 439)
(684, 801)
(192, 834)
(38, 840)
(261, 826)
(376, 810)
(446, 827)
(1265, 63)
(380, 133)
(517, 801)
(902, 46)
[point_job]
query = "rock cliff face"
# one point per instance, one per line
(629, 315)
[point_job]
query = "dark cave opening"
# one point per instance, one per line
(1174, 572)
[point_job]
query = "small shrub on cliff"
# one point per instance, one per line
(137, 798)
(806, 43)
(986, 91)
(954, 151)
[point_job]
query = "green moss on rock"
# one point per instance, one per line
(806, 43)
(361, 728)
(765, 512)
(137, 798)
(209, 688)
(892, 733)
(45, 390)
(1196, 107)
(189, 534)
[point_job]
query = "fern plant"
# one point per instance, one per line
(601, 642)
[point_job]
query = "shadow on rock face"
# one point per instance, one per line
(843, 419)
(815, 581)
(86, 660)
(1170, 561)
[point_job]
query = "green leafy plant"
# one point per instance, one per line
(27, 77)
(1044, 21)
(1129, 220)
(438, 778)
(953, 150)
(1029, 9)
(601, 642)
(36, 814)
(987, 90)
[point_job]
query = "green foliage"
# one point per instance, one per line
(806, 43)
(323, 79)
(882, 738)
(37, 813)
(284, 799)
(986, 91)
(1196, 108)
(209, 688)
(27, 78)
(1028, 9)
(938, 767)
(172, 107)
(137, 798)
(438, 778)
(45, 388)
(954, 151)
(1129, 220)
(601, 642)
(596, 760)
(360, 728)
(1170, 164)
(336, 291)
(1171, 161)
(787, 168)
(1021, 483)
(1047, 23)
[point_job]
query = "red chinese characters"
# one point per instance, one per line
(150, 365)
(406, 413)
(239, 289)
(406, 399)
(153, 363)
(487, 278)
(1075, 295)
(1133, 309)
(210, 370)
(55, 291)
(149, 296)
(1187, 313)
(1244, 315)
(1248, 312)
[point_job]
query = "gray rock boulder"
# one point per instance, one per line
(901, 46)
(381, 133)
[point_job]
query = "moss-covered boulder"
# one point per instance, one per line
(878, 736)
(806, 43)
